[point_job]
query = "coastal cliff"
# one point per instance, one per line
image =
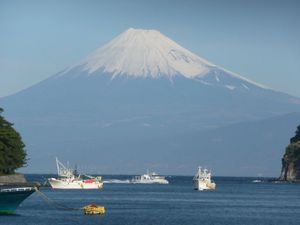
(290, 170)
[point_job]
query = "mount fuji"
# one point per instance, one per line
(128, 106)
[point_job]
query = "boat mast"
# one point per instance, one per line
(199, 171)
(57, 165)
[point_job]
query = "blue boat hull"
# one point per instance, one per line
(10, 200)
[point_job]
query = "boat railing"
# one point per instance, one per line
(17, 189)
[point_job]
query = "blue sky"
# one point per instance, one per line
(257, 39)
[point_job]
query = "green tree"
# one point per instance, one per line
(12, 152)
(292, 152)
(297, 135)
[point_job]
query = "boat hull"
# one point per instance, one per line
(204, 186)
(79, 184)
(11, 198)
(150, 182)
(149, 178)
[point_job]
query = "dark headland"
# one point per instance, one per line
(290, 171)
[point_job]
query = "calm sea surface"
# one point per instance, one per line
(236, 201)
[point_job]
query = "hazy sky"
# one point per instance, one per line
(257, 39)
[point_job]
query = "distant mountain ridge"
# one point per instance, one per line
(138, 87)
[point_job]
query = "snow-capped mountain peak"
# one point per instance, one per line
(138, 52)
(149, 53)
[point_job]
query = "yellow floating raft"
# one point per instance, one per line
(93, 209)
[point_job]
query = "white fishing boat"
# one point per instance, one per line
(68, 179)
(256, 181)
(202, 180)
(149, 178)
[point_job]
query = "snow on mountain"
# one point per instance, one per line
(138, 52)
(149, 53)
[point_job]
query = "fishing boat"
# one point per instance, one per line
(149, 178)
(68, 179)
(12, 197)
(202, 180)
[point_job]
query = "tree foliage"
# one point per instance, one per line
(12, 152)
(293, 149)
(297, 135)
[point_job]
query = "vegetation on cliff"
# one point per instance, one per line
(291, 160)
(293, 149)
(12, 152)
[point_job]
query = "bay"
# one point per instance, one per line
(236, 201)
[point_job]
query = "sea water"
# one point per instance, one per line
(236, 201)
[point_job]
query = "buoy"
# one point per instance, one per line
(93, 209)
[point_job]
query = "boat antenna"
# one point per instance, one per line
(75, 170)
(57, 166)
(199, 169)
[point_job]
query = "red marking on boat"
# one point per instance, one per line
(89, 181)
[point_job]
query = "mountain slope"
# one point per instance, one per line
(141, 86)
(242, 149)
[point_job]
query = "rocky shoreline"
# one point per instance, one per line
(290, 170)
